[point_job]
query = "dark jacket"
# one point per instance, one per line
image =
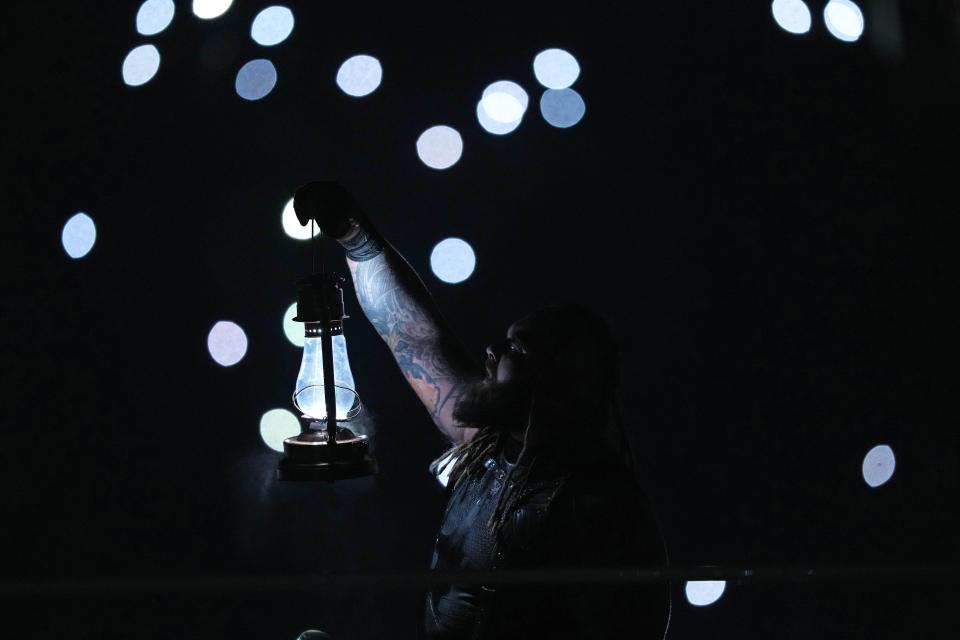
(558, 516)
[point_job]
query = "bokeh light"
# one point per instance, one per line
(878, 465)
(502, 107)
(276, 425)
(256, 79)
(154, 16)
(227, 343)
(562, 108)
(453, 260)
(79, 235)
(844, 20)
(272, 26)
(293, 330)
(701, 593)
(141, 65)
(292, 226)
(505, 101)
(491, 125)
(556, 68)
(210, 9)
(440, 147)
(360, 75)
(792, 15)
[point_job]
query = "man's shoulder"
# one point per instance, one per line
(608, 505)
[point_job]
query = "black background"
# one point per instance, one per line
(767, 220)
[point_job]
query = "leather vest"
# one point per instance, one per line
(465, 542)
(554, 518)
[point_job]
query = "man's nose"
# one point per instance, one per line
(494, 351)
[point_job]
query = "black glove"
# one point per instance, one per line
(334, 209)
(339, 216)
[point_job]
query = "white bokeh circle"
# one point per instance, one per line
(140, 65)
(492, 126)
(793, 16)
(79, 235)
(272, 26)
(277, 425)
(844, 20)
(556, 68)
(359, 75)
(227, 343)
(505, 101)
(210, 9)
(292, 329)
(878, 465)
(440, 147)
(701, 593)
(453, 260)
(502, 107)
(154, 16)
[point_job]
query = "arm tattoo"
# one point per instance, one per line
(402, 311)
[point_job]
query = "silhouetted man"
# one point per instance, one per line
(539, 474)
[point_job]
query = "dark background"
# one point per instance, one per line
(767, 220)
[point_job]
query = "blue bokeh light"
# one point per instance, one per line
(562, 108)
(256, 79)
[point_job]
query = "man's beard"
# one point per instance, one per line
(501, 406)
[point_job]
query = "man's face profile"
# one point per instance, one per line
(501, 400)
(543, 355)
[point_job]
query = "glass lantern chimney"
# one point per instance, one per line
(320, 308)
(308, 394)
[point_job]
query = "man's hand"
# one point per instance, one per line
(333, 208)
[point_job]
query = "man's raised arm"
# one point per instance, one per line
(397, 303)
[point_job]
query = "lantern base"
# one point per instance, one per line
(310, 457)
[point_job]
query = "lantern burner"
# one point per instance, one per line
(311, 455)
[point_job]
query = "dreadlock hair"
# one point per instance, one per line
(577, 323)
(601, 404)
(467, 457)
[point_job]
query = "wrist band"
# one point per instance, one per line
(364, 245)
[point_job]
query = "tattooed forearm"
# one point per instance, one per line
(402, 311)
